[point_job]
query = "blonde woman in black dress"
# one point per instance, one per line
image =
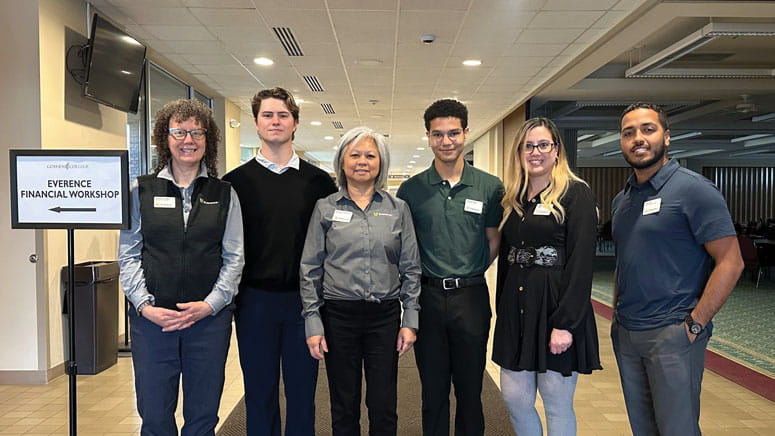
(545, 333)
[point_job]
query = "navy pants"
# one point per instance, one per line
(270, 334)
(451, 348)
(361, 338)
(661, 374)
(198, 354)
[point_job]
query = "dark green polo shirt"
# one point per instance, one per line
(450, 222)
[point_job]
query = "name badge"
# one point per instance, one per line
(164, 202)
(541, 210)
(342, 216)
(474, 206)
(652, 206)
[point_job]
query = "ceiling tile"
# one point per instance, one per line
(549, 36)
(227, 17)
(575, 5)
(565, 20)
(165, 16)
(179, 33)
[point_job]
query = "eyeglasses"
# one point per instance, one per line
(453, 135)
(181, 133)
(543, 147)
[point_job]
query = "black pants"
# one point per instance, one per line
(451, 347)
(361, 337)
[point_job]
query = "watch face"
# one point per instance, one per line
(695, 329)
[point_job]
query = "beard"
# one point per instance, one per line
(659, 153)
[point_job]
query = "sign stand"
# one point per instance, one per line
(70, 189)
(71, 365)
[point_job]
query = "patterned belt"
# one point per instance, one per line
(529, 256)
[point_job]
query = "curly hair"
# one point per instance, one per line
(179, 111)
(444, 108)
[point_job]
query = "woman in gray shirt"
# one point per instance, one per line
(359, 269)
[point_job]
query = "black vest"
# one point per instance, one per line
(181, 263)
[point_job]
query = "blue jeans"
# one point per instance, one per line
(519, 392)
(661, 374)
(198, 354)
(270, 334)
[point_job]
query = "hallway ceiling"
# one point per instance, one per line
(368, 58)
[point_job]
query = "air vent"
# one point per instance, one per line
(338, 125)
(314, 84)
(288, 41)
(327, 108)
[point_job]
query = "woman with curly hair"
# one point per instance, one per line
(181, 262)
(545, 333)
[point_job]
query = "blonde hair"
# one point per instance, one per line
(515, 178)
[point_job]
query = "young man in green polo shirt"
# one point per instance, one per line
(456, 212)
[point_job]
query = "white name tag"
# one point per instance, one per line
(342, 216)
(474, 206)
(541, 210)
(164, 202)
(652, 206)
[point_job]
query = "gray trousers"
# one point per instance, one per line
(661, 374)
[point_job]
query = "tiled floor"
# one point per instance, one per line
(106, 402)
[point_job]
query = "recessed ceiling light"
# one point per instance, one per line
(328, 138)
(316, 123)
(424, 138)
(472, 62)
(300, 100)
(415, 156)
(263, 61)
(410, 166)
(420, 148)
(412, 162)
(334, 147)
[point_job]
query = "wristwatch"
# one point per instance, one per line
(142, 306)
(695, 328)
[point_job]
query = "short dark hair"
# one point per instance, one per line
(661, 114)
(278, 93)
(444, 108)
(181, 110)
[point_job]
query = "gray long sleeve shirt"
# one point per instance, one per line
(131, 246)
(354, 254)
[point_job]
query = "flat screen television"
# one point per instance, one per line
(114, 66)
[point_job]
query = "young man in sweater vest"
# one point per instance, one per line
(278, 191)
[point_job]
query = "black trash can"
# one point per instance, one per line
(96, 314)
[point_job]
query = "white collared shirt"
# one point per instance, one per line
(276, 168)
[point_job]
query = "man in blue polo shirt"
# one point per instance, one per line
(677, 260)
(456, 211)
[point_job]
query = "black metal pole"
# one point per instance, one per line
(72, 367)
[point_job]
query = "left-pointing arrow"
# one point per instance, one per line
(59, 209)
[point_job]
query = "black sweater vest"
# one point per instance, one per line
(276, 209)
(181, 263)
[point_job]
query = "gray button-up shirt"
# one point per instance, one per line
(131, 246)
(354, 254)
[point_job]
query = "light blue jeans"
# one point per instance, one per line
(519, 392)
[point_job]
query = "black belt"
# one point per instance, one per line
(542, 256)
(453, 282)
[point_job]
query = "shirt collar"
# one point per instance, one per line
(659, 178)
(467, 178)
(166, 174)
(342, 193)
(276, 168)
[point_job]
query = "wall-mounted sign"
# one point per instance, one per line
(79, 189)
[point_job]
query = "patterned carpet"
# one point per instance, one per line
(742, 328)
